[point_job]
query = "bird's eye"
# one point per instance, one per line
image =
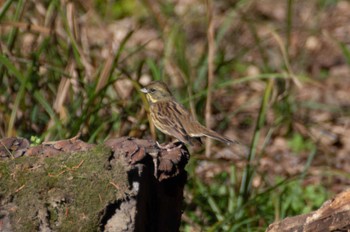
(152, 90)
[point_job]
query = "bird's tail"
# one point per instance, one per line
(214, 135)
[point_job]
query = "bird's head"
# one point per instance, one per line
(157, 91)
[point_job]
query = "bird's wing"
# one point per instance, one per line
(168, 117)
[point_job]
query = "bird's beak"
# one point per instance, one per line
(144, 90)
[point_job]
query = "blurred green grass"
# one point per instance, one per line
(66, 68)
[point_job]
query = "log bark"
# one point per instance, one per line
(334, 215)
(124, 184)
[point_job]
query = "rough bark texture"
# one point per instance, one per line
(334, 215)
(124, 185)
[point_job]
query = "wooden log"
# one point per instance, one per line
(125, 184)
(334, 215)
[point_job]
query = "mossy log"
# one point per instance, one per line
(123, 185)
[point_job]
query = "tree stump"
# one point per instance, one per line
(124, 184)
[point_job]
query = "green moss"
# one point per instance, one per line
(74, 188)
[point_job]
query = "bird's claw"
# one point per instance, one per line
(169, 146)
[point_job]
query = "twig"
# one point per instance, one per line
(211, 54)
(67, 169)
(20, 188)
(78, 166)
(58, 174)
(114, 184)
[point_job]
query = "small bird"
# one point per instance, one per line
(173, 119)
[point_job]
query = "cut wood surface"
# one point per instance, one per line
(124, 184)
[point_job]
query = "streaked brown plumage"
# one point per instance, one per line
(173, 119)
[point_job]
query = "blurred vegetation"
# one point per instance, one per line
(69, 67)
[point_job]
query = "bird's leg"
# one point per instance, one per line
(169, 146)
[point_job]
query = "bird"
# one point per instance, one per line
(171, 118)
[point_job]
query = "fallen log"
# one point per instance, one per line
(334, 215)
